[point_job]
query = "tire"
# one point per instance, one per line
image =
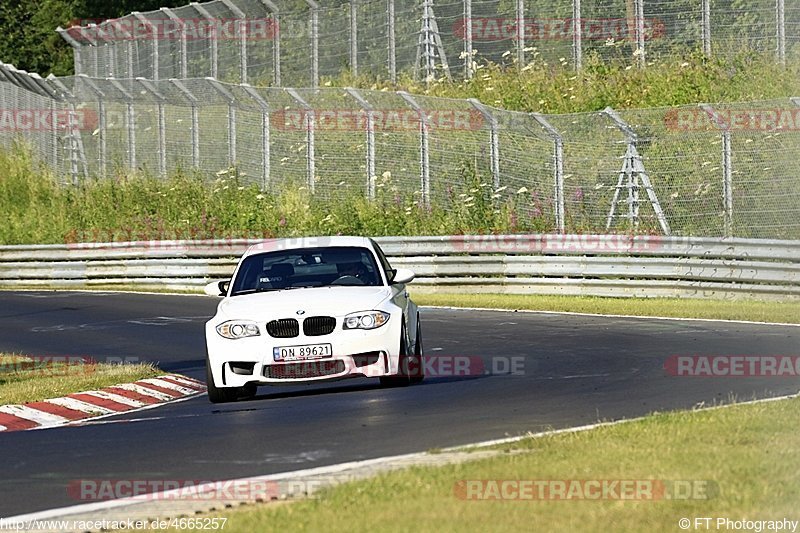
(418, 363)
(410, 363)
(220, 394)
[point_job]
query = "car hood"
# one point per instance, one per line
(330, 301)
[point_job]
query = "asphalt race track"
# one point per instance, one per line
(572, 370)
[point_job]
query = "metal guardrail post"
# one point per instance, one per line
(227, 95)
(370, 188)
(494, 140)
(310, 120)
(468, 53)
(131, 122)
(103, 123)
(111, 52)
(162, 124)
(276, 44)
(129, 45)
(183, 45)
(265, 150)
(577, 35)
(241, 26)
(314, 7)
(390, 35)
(705, 26)
(156, 62)
(213, 38)
(639, 18)
(727, 168)
(780, 28)
(195, 121)
(558, 169)
(424, 152)
(520, 5)
(354, 38)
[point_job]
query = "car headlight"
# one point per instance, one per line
(238, 329)
(366, 320)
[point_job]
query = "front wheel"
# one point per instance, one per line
(410, 366)
(222, 394)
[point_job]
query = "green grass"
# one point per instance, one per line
(24, 380)
(554, 87)
(743, 454)
(757, 311)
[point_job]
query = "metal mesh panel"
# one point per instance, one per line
(692, 170)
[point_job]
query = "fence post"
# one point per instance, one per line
(227, 95)
(129, 42)
(182, 28)
(314, 11)
(391, 38)
(639, 19)
(520, 34)
(76, 152)
(353, 38)
(102, 155)
(162, 124)
(265, 150)
(310, 121)
(706, 26)
(780, 23)
(370, 189)
(131, 122)
(468, 54)
(241, 28)
(144, 20)
(494, 140)
(195, 121)
(633, 169)
(727, 168)
(76, 49)
(276, 43)
(212, 39)
(558, 169)
(577, 35)
(424, 154)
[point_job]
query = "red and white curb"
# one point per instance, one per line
(135, 396)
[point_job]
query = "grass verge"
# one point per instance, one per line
(26, 379)
(738, 456)
(752, 310)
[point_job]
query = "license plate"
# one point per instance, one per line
(299, 353)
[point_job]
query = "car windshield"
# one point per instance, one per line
(307, 267)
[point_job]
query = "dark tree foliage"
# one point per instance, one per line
(29, 40)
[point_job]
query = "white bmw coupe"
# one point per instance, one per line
(312, 309)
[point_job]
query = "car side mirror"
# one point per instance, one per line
(402, 275)
(217, 288)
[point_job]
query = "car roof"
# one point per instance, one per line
(297, 243)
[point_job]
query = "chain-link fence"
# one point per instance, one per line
(295, 42)
(728, 170)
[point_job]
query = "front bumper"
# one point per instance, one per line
(356, 353)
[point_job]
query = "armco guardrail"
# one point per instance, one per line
(599, 265)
